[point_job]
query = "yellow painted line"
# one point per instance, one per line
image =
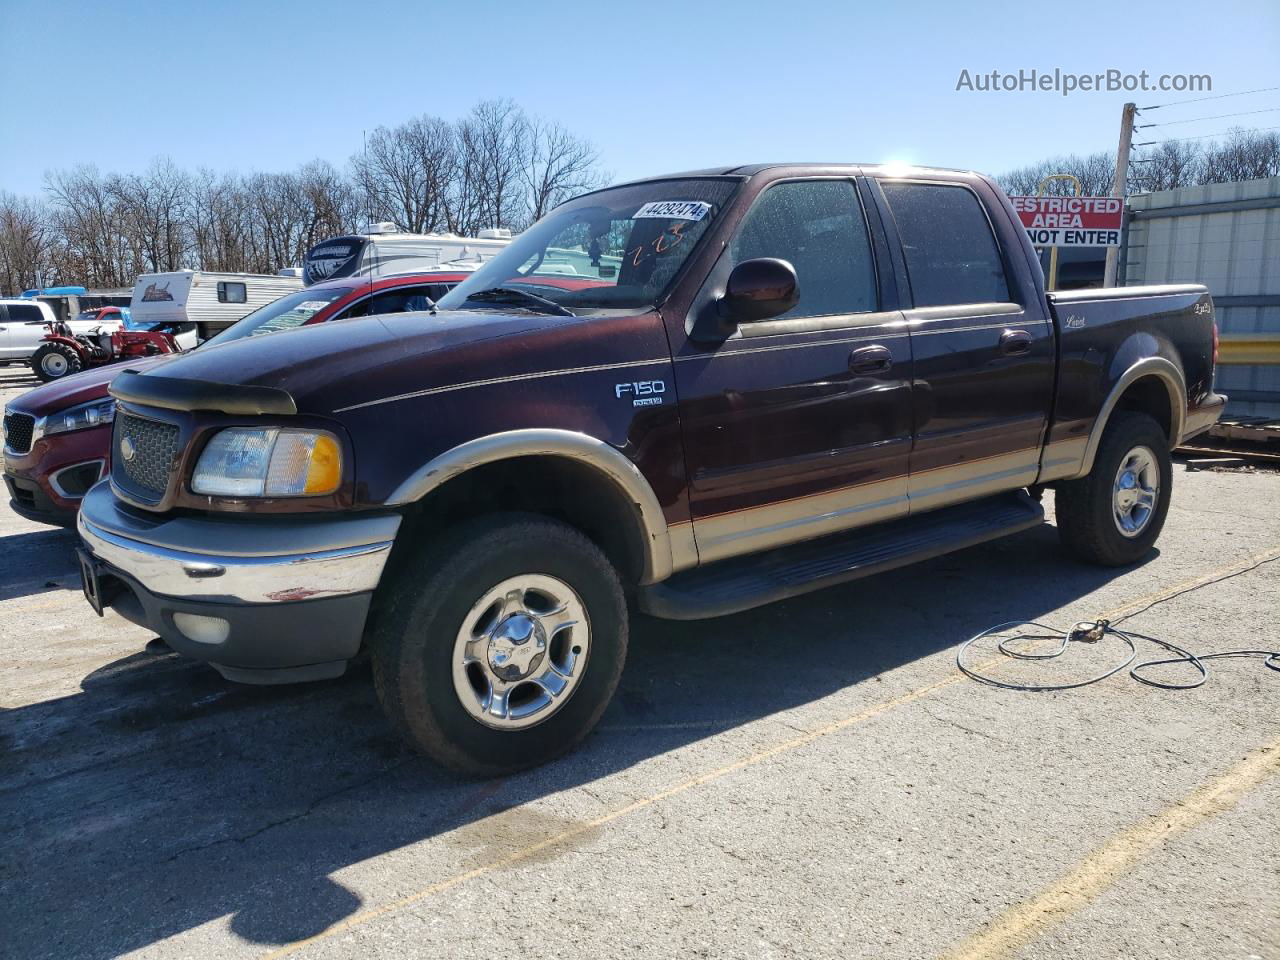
(870, 713)
(1134, 606)
(532, 850)
(1104, 866)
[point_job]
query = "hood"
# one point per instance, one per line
(326, 367)
(81, 387)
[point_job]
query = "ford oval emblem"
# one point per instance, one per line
(127, 448)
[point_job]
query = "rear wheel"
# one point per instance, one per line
(53, 361)
(1114, 515)
(502, 644)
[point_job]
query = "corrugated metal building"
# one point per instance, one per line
(1226, 236)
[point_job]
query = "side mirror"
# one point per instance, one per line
(759, 289)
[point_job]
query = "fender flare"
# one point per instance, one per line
(1168, 374)
(605, 459)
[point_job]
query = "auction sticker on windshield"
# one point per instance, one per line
(673, 210)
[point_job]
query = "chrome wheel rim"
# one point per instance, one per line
(521, 651)
(1136, 491)
(55, 364)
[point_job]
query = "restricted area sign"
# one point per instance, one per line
(1071, 221)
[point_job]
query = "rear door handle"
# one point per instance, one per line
(873, 359)
(1014, 343)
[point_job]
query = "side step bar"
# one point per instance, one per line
(731, 586)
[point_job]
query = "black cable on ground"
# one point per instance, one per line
(1095, 631)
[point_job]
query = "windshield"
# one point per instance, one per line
(620, 247)
(289, 311)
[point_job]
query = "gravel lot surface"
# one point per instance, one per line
(812, 779)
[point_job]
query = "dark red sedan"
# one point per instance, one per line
(57, 437)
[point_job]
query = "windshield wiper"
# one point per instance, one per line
(516, 295)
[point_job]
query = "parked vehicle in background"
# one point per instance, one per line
(57, 437)
(211, 301)
(63, 352)
(68, 302)
(25, 322)
(383, 250)
(795, 375)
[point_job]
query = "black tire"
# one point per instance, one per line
(413, 639)
(38, 364)
(1086, 523)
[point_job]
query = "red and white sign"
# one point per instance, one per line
(1071, 221)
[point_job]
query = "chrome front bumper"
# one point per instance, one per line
(236, 559)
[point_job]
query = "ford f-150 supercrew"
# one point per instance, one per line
(688, 395)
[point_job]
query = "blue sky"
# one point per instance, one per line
(657, 86)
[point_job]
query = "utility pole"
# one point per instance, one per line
(1121, 182)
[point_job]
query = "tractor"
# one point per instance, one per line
(62, 352)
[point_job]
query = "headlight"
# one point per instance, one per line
(91, 414)
(271, 462)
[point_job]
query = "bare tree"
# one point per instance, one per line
(152, 207)
(494, 144)
(1170, 164)
(557, 166)
(405, 172)
(1246, 155)
(495, 167)
(1096, 173)
(92, 232)
(26, 238)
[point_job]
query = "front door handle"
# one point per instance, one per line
(873, 359)
(1014, 343)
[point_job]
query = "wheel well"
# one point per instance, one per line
(1149, 395)
(553, 486)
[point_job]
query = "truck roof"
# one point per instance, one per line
(750, 169)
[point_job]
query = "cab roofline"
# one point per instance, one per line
(743, 171)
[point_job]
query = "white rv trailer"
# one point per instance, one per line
(382, 250)
(212, 301)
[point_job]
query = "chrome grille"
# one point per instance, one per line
(18, 429)
(142, 453)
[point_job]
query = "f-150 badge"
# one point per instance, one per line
(643, 393)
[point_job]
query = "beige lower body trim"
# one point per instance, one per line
(1063, 459)
(684, 549)
(943, 486)
(777, 524)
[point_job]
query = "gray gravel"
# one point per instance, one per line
(153, 808)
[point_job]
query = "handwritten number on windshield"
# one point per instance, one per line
(670, 238)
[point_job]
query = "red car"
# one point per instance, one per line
(57, 437)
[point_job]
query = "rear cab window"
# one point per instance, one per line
(950, 249)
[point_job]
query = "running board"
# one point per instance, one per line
(731, 586)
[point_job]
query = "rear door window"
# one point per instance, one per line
(25, 313)
(951, 253)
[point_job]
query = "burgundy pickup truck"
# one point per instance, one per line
(688, 395)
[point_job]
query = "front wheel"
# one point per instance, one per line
(1114, 515)
(501, 645)
(53, 361)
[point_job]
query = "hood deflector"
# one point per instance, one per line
(176, 393)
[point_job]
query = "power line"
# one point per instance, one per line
(1217, 96)
(1205, 136)
(1216, 116)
